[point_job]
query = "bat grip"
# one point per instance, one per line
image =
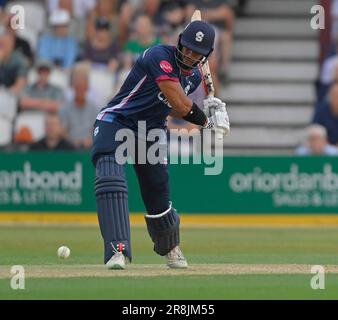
(219, 136)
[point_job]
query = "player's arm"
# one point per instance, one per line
(182, 106)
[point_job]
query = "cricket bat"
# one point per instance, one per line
(205, 71)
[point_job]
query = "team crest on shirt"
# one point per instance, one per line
(166, 66)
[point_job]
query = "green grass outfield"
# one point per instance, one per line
(226, 263)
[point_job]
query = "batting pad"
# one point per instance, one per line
(164, 230)
(112, 206)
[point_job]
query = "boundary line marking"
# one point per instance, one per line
(187, 220)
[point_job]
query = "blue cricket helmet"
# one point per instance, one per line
(198, 36)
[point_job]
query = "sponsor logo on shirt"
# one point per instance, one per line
(166, 66)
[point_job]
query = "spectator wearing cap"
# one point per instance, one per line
(79, 11)
(316, 143)
(58, 47)
(118, 12)
(13, 64)
(79, 113)
(327, 115)
(54, 138)
(101, 50)
(42, 95)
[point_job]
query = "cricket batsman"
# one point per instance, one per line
(157, 86)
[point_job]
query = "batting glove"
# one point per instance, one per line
(218, 118)
(212, 103)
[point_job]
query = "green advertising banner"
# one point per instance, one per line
(64, 182)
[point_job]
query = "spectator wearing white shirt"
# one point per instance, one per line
(316, 143)
(78, 115)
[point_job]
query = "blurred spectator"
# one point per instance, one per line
(13, 64)
(142, 38)
(79, 11)
(117, 12)
(54, 138)
(78, 115)
(23, 137)
(171, 12)
(77, 8)
(151, 8)
(316, 143)
(42, 95)
(220, 14)
(101, 50)
(327, 115)
(58, 47)
(169, 20)
(21, 44)
(83, 69)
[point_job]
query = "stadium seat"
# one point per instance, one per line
(274, 28)
(6, 127)
(258, 93)
(262, 8)
(281, 49)
(273, 71)
(8, 103)
(34, 121)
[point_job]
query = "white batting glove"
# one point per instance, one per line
(212, 103)
(218, 118)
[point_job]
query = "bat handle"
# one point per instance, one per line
(219, 136)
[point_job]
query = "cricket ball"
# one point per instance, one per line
(63, 252)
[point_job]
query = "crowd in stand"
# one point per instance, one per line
(73, 55)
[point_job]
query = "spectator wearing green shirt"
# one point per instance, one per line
(142, 38)
(42, 95)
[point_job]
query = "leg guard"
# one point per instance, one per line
(163, 229)
(112, 206)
